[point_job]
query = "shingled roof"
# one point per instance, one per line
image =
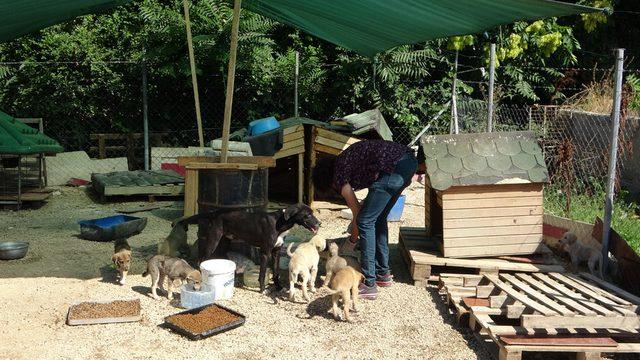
(484, 159)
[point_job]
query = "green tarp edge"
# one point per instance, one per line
(371, 26)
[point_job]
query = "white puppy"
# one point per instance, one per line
(580, 253)
(304, 262)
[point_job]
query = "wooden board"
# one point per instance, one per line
(221, 166)
(450, 234)
(160, 190)
(422, 254)
(191, 192)
(492, 212)
(262, 161)
(289, 152)
(480, 222)
(495, 250)
(480, 203)
(558, 340)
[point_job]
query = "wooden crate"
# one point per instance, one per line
(552, 313)
(424, 258)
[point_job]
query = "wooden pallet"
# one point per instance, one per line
(424, 259)
(534, 312)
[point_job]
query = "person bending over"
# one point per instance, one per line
(386, 169)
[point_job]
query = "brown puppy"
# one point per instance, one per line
(344, 284)
(122, 259)
(580, 253)
(304, 262)
(161, 266)
(336, 263)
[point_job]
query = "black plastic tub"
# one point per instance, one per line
(111, 228)
(208, 333)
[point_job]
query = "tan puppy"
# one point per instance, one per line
(177, 270)
(580, 253)
(344, 284)
(122, 260)
(336, 263)
(304, 262)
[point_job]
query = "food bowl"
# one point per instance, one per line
(191, 298)
(12, 250)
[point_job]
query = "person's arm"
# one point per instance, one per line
(352, 202)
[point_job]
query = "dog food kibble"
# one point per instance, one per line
(114, 309)
(200, 322)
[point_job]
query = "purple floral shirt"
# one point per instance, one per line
(360, 164)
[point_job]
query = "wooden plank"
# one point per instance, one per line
(293, 129)
(293, 136)
(190, 192)
(555, 294)
(471, 301)
(491, 203)
(490, 221)
(492, 191)
(300, 178)
(328, 134)
(495, 250)
(558, 340)
(534, 294)
(623, 303)
(498, 301)
(578, 321)
(292, 144)
(262, 161)
(221, 166)
(313, 156)
(29, 196)
(289, 152)
(332, 143)
(484, 291)
(614, 289)
(574, 295)
(494, 212)
(520, 297)
(327, 149)
(577, 285)
(534, 231)
(168, 190)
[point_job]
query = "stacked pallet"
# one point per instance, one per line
(424, 258)
(535, 312)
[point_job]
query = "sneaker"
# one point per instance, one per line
(384, 280)
(367, 292)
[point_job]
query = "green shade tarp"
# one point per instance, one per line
(372, 26)
(21, 17)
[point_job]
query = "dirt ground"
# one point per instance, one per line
(404, 322)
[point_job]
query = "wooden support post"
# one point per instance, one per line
(102, 149)
(312, 165)
(509, 355)
(194, 76)
(300, 177)
(231, 77)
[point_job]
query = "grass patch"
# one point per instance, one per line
(587, 205)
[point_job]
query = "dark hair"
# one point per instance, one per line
(323, 173)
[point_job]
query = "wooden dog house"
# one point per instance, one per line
(484, 193)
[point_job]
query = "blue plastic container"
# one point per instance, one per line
(111, 228)
(261, 126)
(396, 211)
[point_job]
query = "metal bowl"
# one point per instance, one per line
(11, 250)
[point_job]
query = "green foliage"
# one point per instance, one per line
(591, 21)
(633, 83)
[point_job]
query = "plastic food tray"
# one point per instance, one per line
(208, 333)
(106, 320)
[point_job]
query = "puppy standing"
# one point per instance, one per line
(122, 259)
(304, 261)
(161, 266)
(344, 284)
(580, 253)
(336, 263)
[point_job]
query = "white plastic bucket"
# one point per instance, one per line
(219, 275)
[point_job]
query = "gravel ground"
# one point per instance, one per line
(404, 322)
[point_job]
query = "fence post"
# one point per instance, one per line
(145, 115)
(492, 75)
(613, 157)
(295, 89)
(194, 76)
(454, 97)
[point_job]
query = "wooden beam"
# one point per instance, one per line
(580, 321)
(194, 76)
(231, 77)
(530, 292)
(614, 289)
(221, 166)
(262, 161)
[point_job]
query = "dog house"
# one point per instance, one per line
(484, 193)
(22, 171)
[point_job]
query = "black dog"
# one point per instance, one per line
(259, 228)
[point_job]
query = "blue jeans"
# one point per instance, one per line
(372, 219)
